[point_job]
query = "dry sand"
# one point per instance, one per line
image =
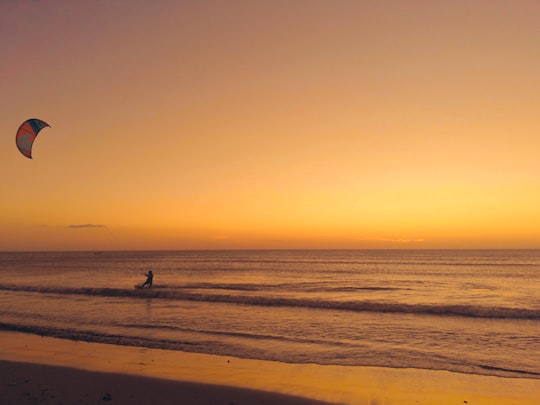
(26, 383)
(36, 370)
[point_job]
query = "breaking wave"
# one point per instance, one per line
(182, 293)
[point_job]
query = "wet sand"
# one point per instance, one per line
(51, 371)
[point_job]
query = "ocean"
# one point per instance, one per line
(467, 311)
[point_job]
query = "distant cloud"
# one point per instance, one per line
(398, 240)
(92, 226)
(408, 240)
(85, 226)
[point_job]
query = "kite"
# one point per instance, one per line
(26, 134)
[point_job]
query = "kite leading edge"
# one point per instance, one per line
(26, 134)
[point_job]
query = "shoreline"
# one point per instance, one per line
(139, 375)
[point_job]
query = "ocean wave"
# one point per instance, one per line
(99, 337)
(509, 370)
(371, 358)
(247, 335)
(296, 287)
(181, 293)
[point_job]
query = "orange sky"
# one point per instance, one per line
(271, 124)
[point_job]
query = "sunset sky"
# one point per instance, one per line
(271, 124)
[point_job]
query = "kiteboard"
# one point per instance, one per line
(138, 286)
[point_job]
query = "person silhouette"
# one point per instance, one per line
(149, 279)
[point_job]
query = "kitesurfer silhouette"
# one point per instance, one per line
(149, 279)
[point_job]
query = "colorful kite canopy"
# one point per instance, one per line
(26, 134)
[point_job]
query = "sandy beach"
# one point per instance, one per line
(26, 383)
(47, 370)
